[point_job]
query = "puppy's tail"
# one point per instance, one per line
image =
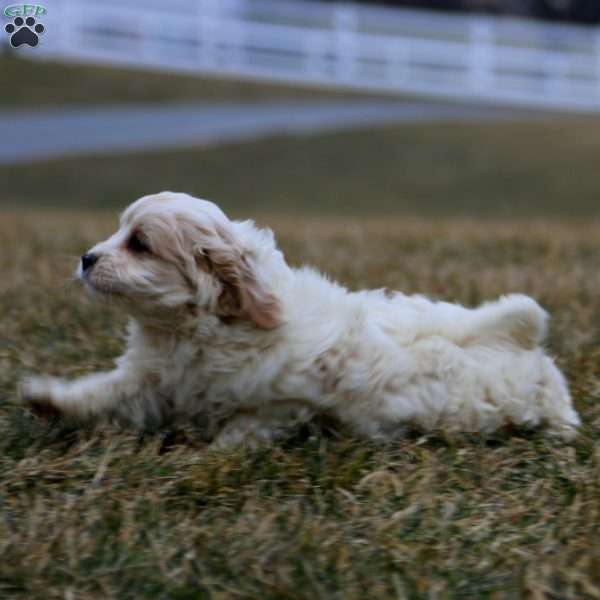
(515, 319)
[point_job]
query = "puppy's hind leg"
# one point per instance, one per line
(250, 428)
(558, 413)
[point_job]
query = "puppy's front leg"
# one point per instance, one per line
(87, 397)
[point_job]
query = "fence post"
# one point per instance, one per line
(208, 32)
(398, 58)
(481, 41)
(68, 28)
(232, 34)
(344, 23)
(149, 29)
(316, 44)
(555, 74)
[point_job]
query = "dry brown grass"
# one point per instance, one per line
(111, 514)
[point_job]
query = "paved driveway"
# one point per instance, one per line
(27, 136)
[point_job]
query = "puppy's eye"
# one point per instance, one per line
(136, 245)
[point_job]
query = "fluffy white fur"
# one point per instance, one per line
(226, 334)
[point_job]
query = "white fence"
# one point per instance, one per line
(497, 60)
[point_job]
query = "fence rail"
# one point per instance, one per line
(496, 60)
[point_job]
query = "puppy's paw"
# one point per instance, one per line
(231, 439)
(36, 394)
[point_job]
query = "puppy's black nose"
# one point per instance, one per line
(88, 261)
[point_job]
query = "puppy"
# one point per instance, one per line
(224, 333)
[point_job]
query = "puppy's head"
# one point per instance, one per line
(173, 252)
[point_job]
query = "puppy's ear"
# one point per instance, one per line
(243, 295)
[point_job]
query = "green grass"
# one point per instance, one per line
(112, 514)
(39, 83)
(523, 169)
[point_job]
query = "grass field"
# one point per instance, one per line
(112, 514)
(41, 83)
(107, 514)
(519, 169)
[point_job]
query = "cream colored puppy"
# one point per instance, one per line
(224, 333)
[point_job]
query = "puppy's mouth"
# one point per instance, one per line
(97, 285)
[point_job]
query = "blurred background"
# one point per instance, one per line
(450, 107)
(443, 147)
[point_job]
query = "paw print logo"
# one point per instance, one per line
(24, 32)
